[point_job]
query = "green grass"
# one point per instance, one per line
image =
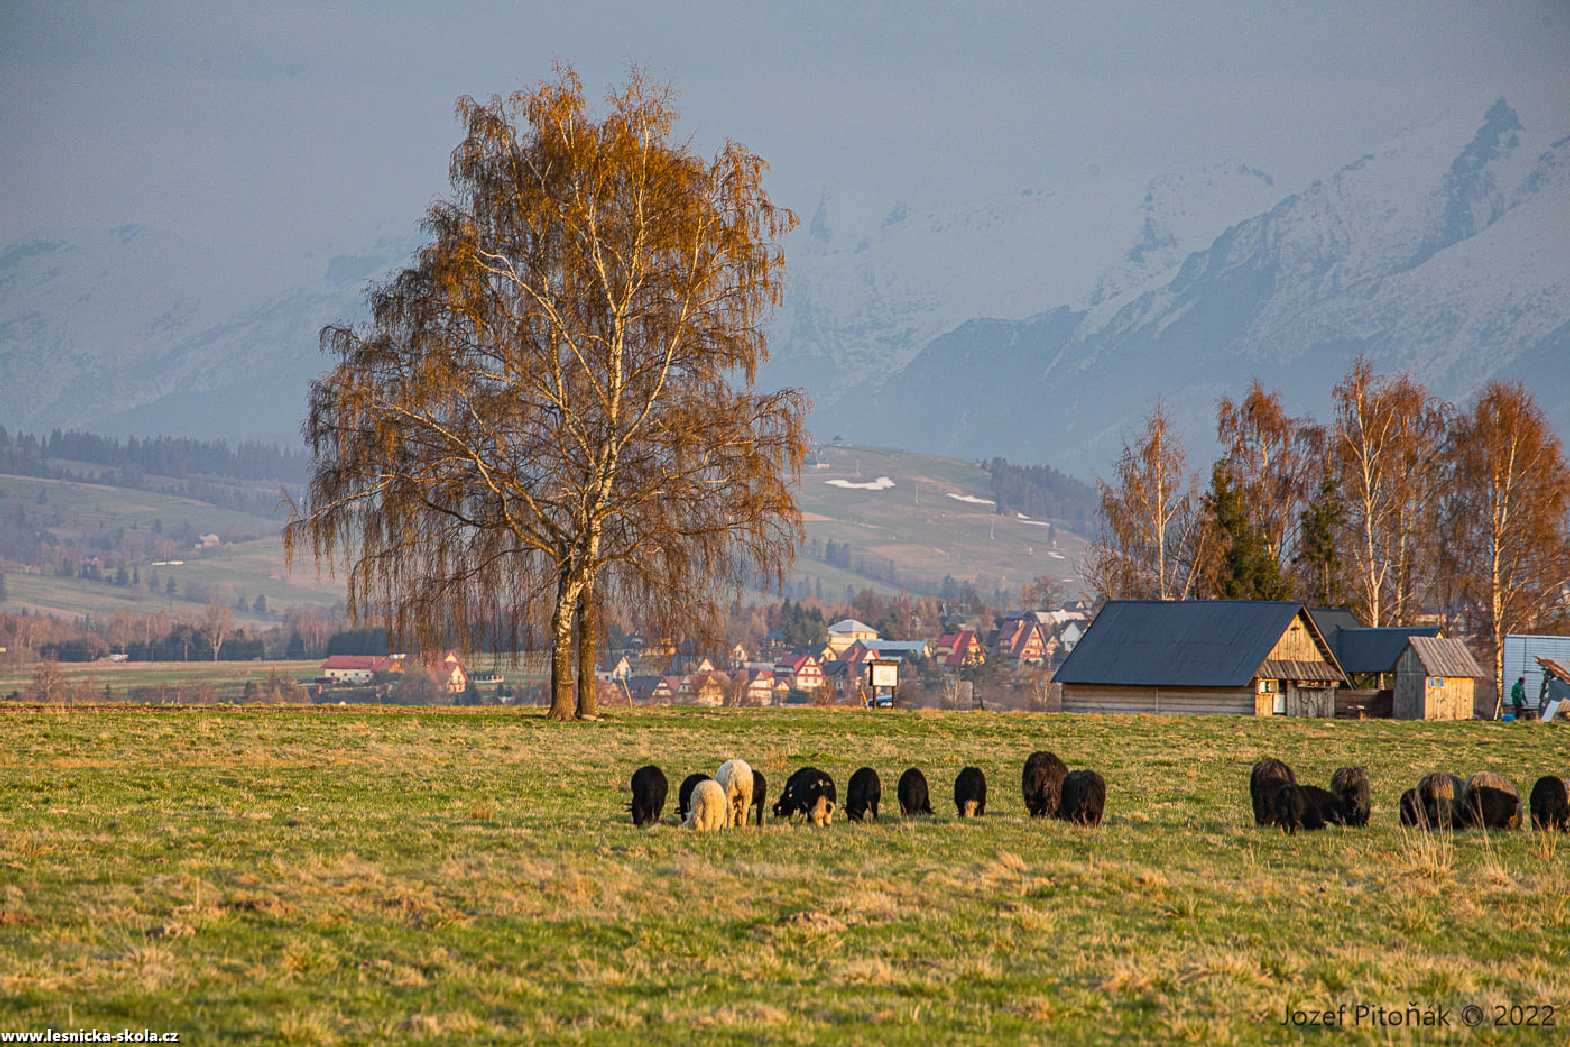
(227, 678)
(346, 875)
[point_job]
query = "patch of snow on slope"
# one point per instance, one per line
(882, 483)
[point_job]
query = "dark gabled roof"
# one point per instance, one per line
(1189, 643)
(1440, 657)
(1374, 650)
(1332, 620)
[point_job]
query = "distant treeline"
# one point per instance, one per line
(206, 470)
(176, 456)
(1042, 493)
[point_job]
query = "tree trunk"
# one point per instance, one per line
(588, 649)
(561, 649)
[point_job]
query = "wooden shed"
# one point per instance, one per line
(1244, 657)
(1436, 679)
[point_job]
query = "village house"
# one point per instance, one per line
(447, 670)
(847, 631)
(1023, 640)
(800, 672)
(1248, 657)
(756, 686)
(1436, 679)
(355, 669)
(737, 658)
(960, 649)
(649, 690)
(703, 688)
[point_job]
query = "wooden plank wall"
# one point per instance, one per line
(1098, 698)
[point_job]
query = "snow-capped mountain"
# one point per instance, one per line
(137, 330)
(1446, 253)
(865, 294)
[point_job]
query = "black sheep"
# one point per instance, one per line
(803, 792)
(1440, 795)
(648, 795)
(1041, 783)
(970, 793)
(684, 794)
(1084, 798)
(1306, 807)
(1412, 810)
(1489, 802)
(1262, 782)
(760, 786)
(863, 794)
(1550, 804)
(913, 793)
(1350, 784)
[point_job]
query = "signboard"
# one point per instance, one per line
(885, 675)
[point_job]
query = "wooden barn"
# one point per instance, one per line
(1243, 657)
(1436, 679)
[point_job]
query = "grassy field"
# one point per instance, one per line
(346, 875)
(227, 678)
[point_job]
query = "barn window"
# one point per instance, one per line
(1436, 681)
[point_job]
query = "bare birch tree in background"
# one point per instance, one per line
(554, 406)
(1275, 460)
(1148, 522)
(1510, 516)
(1387, 447)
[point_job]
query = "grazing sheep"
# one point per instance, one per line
(1490, 801)
(1350, 784)
(710, 810)
(1440, 793)
(735, 777)
(801, 794)
(1041, 783)
(970, 793)
(1412, 810)
(684, 794)
(1306, 807)
(913, 793)
(760, 789)
(1551, 804)
(863, 794)
(1084, 798)
(648, 795)
(1262, 782)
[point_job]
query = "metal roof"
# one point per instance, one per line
(1373, 650)
(1189, 643)
(1441, 657)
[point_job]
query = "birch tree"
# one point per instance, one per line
(1509, 516)
(1147, 519)
(1274, 459)
(554, 405)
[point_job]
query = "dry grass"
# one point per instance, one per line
(335, 877)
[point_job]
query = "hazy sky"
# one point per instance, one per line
(278, 126)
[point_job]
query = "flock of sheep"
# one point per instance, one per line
(1439, 801)
(736, 794)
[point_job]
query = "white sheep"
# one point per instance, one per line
(735, 777)
(707, 810)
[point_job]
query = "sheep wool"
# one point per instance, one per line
(708, 810)
(735, 777)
